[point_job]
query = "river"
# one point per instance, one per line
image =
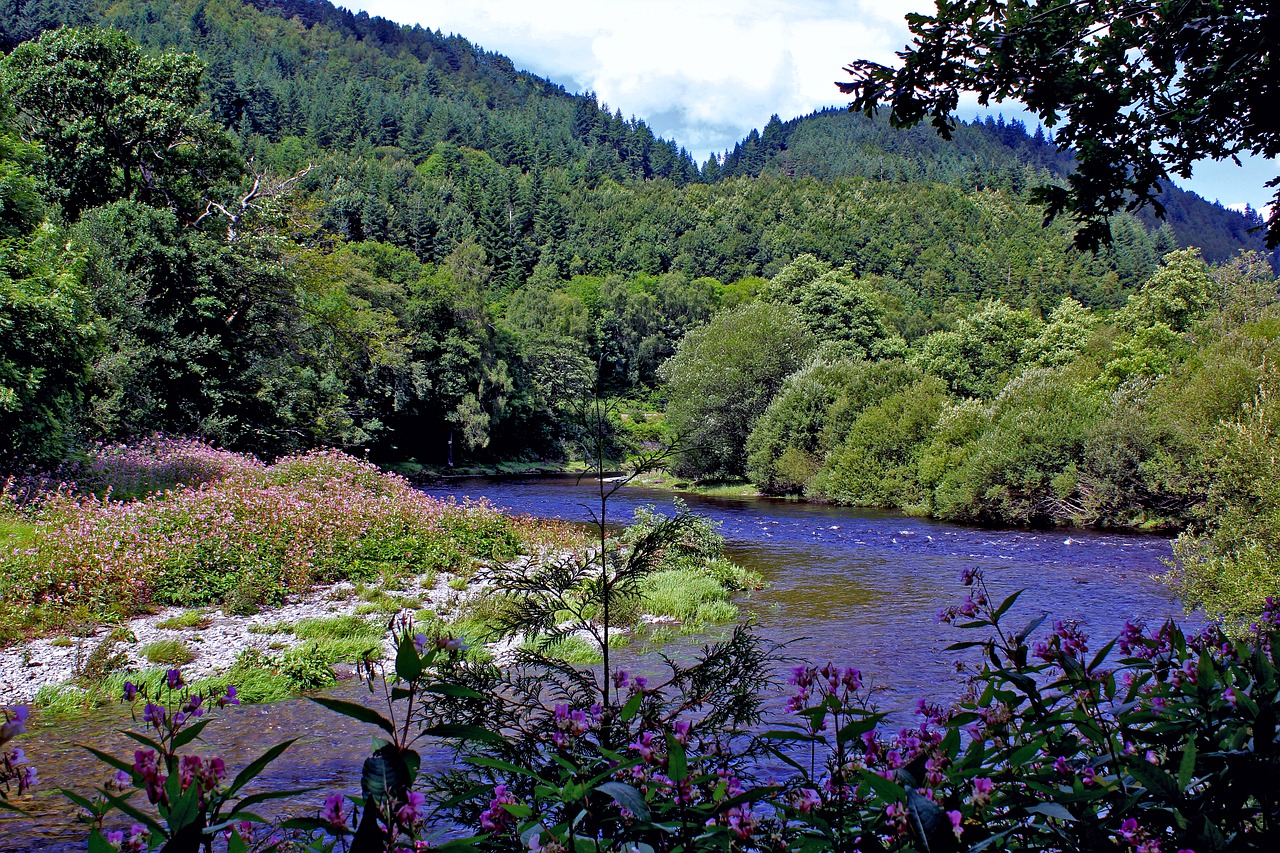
(855, 587)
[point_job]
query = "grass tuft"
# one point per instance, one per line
(168, 652)
(186, 620)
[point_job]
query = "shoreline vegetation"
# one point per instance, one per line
(134, 559)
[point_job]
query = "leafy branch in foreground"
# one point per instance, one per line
(191, 802)
(1137, 89)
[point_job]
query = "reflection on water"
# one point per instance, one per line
(855, 587)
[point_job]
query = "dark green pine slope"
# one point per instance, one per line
(428, 142)
(983, 154)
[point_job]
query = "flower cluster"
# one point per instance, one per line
(253, 532)
(573, 724)
(496, 818)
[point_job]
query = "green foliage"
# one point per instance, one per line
(685, 595)
(813, 412)
(104, 660)
(1227, 565)
(185, 621)
(1125, 98)
(836, 308)
(1020, 464)
(114, 122)
(977, 357)
(877, 464)
(721, 379)
(168, 652)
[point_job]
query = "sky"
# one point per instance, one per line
(705, 72)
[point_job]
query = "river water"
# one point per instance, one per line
(855, 587)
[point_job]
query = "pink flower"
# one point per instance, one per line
(805, 800)
(956, 819)
(413, 809)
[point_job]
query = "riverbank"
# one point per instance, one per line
(270, 576)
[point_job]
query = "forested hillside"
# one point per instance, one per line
(279, 224)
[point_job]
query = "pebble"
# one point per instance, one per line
(28, 667)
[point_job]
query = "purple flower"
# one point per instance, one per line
(153, 714)
(229, 699)
(419, 642)
(332, 813)
(16, 725)
(173, 678)
(956, 819)
(26, 778)
(130, 691)
(620, 678)
(115, 838)
(806, 800)
(413, 809)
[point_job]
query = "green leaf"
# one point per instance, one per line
(1187, 767)
(356, 711)
(235, 844)
(184, 813)
(1053, 810)
(408, 664)
(384, 775)
(855, 729)
(460, 731)
(251, 772)
(189, 734)
(83, 802)
(1030, 627)
(677, 762)
(98, 844)
(504, 766)
(1101, 655)
(458, 691)
(784, 735)
(142, 739)
(627, 797)
(885, 789)
(1156, 781)
(632, 707)
(1008, 603)
(107, 758)
(265, 796)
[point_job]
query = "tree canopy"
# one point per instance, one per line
(1139, 89)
